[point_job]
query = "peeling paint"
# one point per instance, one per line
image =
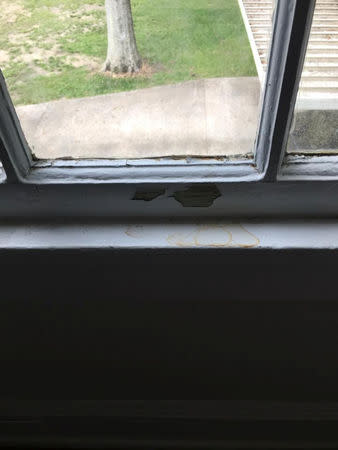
(147, 195)
(134, 231)
(198, 195)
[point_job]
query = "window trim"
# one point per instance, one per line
(14, 150)
(162, 170)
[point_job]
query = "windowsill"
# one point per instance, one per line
(217, 234)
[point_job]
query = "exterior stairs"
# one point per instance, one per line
(319, 82)
(315, 124)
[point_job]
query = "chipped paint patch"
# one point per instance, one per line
(218, 235)
(148, 195)
(198, 195)
(134, 231)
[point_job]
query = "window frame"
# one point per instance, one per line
(261, 186)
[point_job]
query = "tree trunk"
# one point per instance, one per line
(122, 54)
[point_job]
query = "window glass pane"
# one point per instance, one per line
(315, 121)
(179, 78)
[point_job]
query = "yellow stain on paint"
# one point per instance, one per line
(217, 235)
(204, 235)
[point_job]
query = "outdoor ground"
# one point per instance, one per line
(52, 49)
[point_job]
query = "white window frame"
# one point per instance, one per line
(260, 187)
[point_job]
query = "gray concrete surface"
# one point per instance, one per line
(211, 117)
(314, 131)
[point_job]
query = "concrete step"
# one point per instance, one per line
(316, 69)
(323, 48)
(314, 57)
(328, 27)
(262, 3)
(321, 66)
(325, 3)
(320, 73)
(316, 29)
(324, 40)
(261, 35)
(325, 85)
(262, 30)
(307, 59)
(312, 49)
(267, 16)
(311, 91)
(310, 57)
(263, 10)
(317, 21)
(324, 35)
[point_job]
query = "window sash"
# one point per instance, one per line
(292, 27)
(291, 30)
(14, 151)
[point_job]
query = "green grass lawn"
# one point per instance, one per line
(52, 49)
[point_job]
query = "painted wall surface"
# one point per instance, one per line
(91, 335)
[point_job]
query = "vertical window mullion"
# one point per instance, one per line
(293, 20)
(14, 151)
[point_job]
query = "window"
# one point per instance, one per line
(314, 128)
(193, 85)
(261, 182)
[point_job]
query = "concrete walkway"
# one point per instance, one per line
(210, 117)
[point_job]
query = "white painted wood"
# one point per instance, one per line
(221, 234)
